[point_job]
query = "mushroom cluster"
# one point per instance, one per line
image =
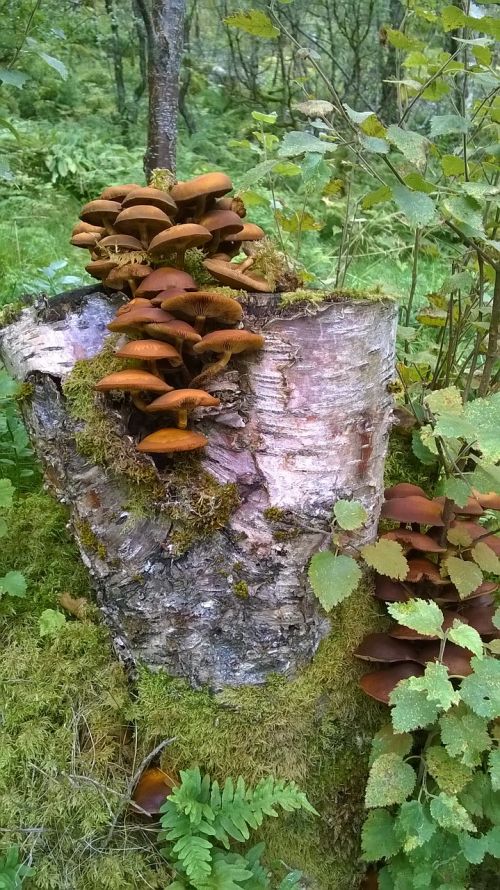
(130, 229)
(170, 327)
(403, 652)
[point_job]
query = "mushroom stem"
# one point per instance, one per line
(180, 257)
(132, 285)
(138, 402)
(182, 418)
(211, 370)
(154, 369)
(143, 235)
(214, 243)
(199, 324)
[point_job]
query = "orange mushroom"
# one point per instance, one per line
(134, 382)
(205, 304)
(227, 343)
(182, 401)
(169, 441)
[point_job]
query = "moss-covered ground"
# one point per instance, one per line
(72, 733)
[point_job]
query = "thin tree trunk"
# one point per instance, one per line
(121, 98)
(388, 99)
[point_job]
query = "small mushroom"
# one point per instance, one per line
(175, 331)
(131, 274)
(244, 240)
(382, 647)
(414, 508)
(227, 343)
(138, 316)
(390, 591)
(178, 239)
(480, 618)
(87, 227)
(182, 401)
(163, 278)
(489, 501)
(151, 196)
(221, 224)
(232, 276)
(380, 684)
(100, 268)
(151, 791)
(168, 441)
(205, 304)
(101, 213)
(421, 568)
(119, 243)
(400, 632)
(118, 192)
(403, 490)
(456, 659)
(474, 530)
(413, 540)
(134, 382)
(151, 351)
(87, 240)
(235, 204)
(471, 508)
(135, 303)
(143, 221)
(197, 192)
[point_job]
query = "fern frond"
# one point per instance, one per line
(195, 855)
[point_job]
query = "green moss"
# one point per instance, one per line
(89, 539)
(201, 507)
(274, 514)
(283, 535)
(314, 729)
(402, 465)
(11, 312)
(240, 588)
(335, 296)
(162, 178)
(274, 265)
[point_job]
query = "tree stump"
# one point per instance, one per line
(301, 423)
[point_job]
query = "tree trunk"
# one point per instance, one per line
(164, 31)
(301, 423)
(116, 53)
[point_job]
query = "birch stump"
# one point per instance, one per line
(301, 424)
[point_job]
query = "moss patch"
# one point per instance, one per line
(308, 295)
(89, 539)
(402, 465)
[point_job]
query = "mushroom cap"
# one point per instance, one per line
(481, 596)
(228, 273)
(96, 211)
(477, 531)
(421, 568)
(403, 490)
(185, 235)
(87, 227)
(168, 292)
(414, 540)
(132, 380)
(131, 271)
(152, 790)
(137, 316)
(118, 192)
(173, 330)
(229, 341)
(471, 508)
(206, 304)
(389, 591)
(165, 276)
(456, 659)
(414, 508)
(133, 304)
(382, 647)
(232, 203)
(153, 197)
(167, 441)
(249, 232)
(151, 351)
(489, 500)
(225, 222)
(132, 219)
(480, 618)
(183, 398)
(120, 242)
(100, 268)
(85, 239)
(207, 185)
(380, 684)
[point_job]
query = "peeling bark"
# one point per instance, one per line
(301, 424)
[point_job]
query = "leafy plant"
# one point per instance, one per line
(13, 872)
(200, 819)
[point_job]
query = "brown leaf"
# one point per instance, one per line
(77, 606)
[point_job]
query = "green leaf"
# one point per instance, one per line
(448, 124)
(350, 515)
(466, 211)
(450, 814)
(481, 690)
(473, 848)
(286, 168)
(484, 416)
(459, 536)
(450, 774)
(417, 182)
(6, 493)
(386, 557)
(418, 208)
(445, 401)
(486, 559)
(494, 768)
(496, 619)
(13, 584)
(413, 825)
(378, 839)
(452, 165)
(493, 840)
(297, 143)
(254, 22)
(13, 78)
(256, 174)
(467, 637)
(50, 622)
(411, 709)
(465, 735)
(374, 144)
(402, 41)
(4, 528)
(421, 451)
(409, 143)
(386, 741)
(482, 54)
(390, 781)
(458, 490)
(333, 578)
(424, 616)
(384, 193)
(453, 17)
(451, 426)
(466, 576)
(436, 685)
(56, 64)
(358, 117)
(265, 118)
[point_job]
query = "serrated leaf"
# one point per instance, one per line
(445, 401)
(386, 741)
(409, 143)
(263, 118)
(424, 616)
(390, 781)
(486, 559)
(481, 690)
(418, 208)
(6, 493)
(286, 168)
(374, 144)
(494, 769)
(297, 142)
(50, 622)
(402, 41)
(333, 577)
(417, 182)
(448, 124)
(484, 416)
(13, 78)
(350, 515)
(493, 840)
(459, 536)
(458, 490)
(386, 557)
(384, 193)
(378, 839)
(413, 825)
(466, 576)
(450, 775)
(473, 848)
(424, 454)
(465, 735)
(450, 814)
(411, 709)
(436, 685)
(465, 210)
(467, 637)
(256, 174)
(453, 17)
(254, 22)
(452, 165)
(358, 117)
(451, 426)
(13, 584)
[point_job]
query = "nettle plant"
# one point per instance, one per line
(200, 820)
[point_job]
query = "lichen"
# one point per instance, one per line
(240, 589)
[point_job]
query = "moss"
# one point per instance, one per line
(314, 729)
(284, 535)
(89, 539)
(201, 506)
(306, 295)
(162, 178)
(274, 514)
(11, 312)
(402, 465)
(274, 265)
(240, 588)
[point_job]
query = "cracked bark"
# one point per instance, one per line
(301, 424)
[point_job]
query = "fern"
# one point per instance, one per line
(198, 810)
